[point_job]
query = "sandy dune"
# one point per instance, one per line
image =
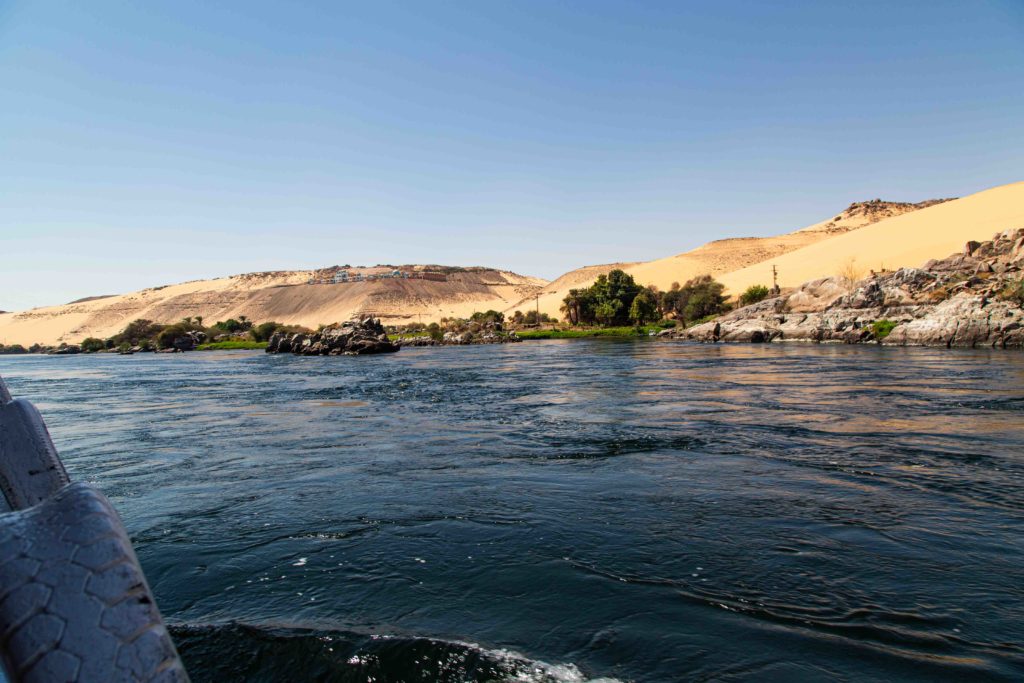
(282, 296)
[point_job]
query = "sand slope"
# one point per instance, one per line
(902, 241)
(723, 256)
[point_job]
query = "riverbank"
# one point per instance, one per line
(585, 333)
(973, 298)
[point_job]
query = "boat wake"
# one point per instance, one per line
(247, 652)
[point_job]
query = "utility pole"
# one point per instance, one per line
(775, 281)
(537, 296)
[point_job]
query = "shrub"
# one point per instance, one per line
(264, 331)
(229, 325)
(136, 332)
(850, 272)
(1014, 292)
(92, 345)
(881, 328)
(754, 294)
(488, 317)
(12, 349)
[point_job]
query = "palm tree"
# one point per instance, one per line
(570, 307)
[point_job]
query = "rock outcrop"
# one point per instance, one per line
(965, 300)
(353, 338)
(477, 334)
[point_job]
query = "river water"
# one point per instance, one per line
(565, 511)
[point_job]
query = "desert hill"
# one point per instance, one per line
(873, 235)
(284, 296)
(725, 255)
(902, 241)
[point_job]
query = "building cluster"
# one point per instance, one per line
(343, 276)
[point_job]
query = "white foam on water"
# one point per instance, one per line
(519, 668)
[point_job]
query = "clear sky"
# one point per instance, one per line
(146, 143)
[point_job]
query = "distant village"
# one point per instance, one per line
(344, 276)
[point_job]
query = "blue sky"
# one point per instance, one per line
(144, 143)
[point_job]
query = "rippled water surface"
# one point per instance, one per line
(565, 511)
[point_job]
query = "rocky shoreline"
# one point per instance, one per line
(959, 301)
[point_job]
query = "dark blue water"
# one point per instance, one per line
(565, 511)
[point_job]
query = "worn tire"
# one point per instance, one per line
(74, 604)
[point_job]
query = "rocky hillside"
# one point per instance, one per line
(973, 298)
(860, 214)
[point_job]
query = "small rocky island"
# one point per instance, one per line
(970, 299)
(353, 338)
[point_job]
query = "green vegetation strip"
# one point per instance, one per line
(231, 345)
(593, 332)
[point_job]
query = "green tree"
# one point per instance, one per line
(703, 297)
(136, 332)
(575, 306)
(698, 298)
(608, 301)
(644, 308)
(607, 311)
